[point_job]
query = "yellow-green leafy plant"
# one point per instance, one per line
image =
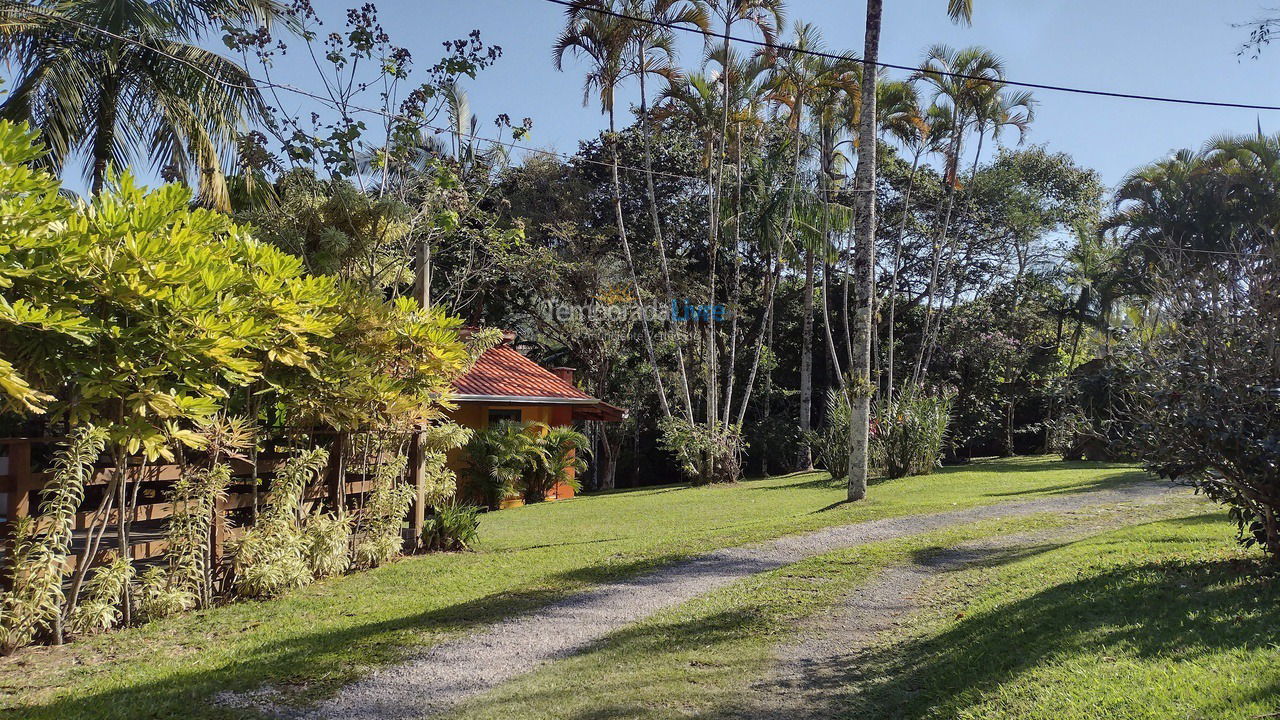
(104, 593)
(269, 558)
(37, 559)
(326, 543)
(379, 523)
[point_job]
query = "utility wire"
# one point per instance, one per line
(589, 6)
(331, 103)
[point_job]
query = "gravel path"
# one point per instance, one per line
(445, 674)
(810, 678)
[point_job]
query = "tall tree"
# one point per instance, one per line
(864, 263)
(119, 79)
(606, 40)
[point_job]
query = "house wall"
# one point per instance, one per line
(476, 416)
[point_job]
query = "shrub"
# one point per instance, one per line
(501, 455)
(704, 455)
(35, 564)
(909, 430)
(560, 462)
(1206, 399)
(378, 524)
(453, 527)
(269, 558)
(832, 443)
(103, 594)
(326, 545)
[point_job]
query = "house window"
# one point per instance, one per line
(497, 416)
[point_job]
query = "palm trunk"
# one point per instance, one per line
(631, 266)
(893, 282)
(105, 133)
(805, 459)
(657, 236)
(865, 261)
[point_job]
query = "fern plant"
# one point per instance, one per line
(38, 557)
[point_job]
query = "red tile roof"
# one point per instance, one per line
(502, 372)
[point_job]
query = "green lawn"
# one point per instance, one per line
(1155, 621)
(1163, 620)
(327, 634)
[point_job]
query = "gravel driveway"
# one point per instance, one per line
(443, 675)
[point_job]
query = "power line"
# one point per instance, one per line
(581, 5)
(331, 103)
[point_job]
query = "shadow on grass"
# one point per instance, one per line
(284, 665)
(1168, 611)
(1110, 482)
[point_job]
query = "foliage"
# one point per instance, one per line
(31, 594)
(440, 483)
(453, 526)
(114, 85)
(1206, 401)
(269, 558)
(326, 545)
(909, 429)
(500, 456)
(561, 461)
(194, 497)
(378, 524)
(831, 443)
(704, 455)
(106, 589)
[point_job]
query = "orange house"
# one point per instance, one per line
(505, 385)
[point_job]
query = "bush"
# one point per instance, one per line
(454, 526)
(561, 462)
(831, 444)
(501, 455)
(704, 455)
(378, 525)
(1206, 399)
(269, 558)
(908, 431)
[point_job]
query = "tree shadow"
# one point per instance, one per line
(1168, 611)
(286, 665)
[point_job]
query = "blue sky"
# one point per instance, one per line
(1185, 48)
(1160, 47)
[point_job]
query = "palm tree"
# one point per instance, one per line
(864, 265)
(964, 81)
(606, 41)
(120, 79)
(796, 76)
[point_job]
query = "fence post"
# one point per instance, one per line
(21, 484)
(418, 473)
(338, 474)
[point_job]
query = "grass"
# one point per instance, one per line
(698, 659)
(1163, 620)
(329, 633)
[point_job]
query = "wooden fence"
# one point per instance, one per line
(342, 489)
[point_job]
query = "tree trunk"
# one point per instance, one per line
(105, 133)
(893, 282)
(657, 235)
(805, 459)
(864, 262)
(631, 266)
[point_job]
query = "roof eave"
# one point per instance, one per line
(524, 399)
